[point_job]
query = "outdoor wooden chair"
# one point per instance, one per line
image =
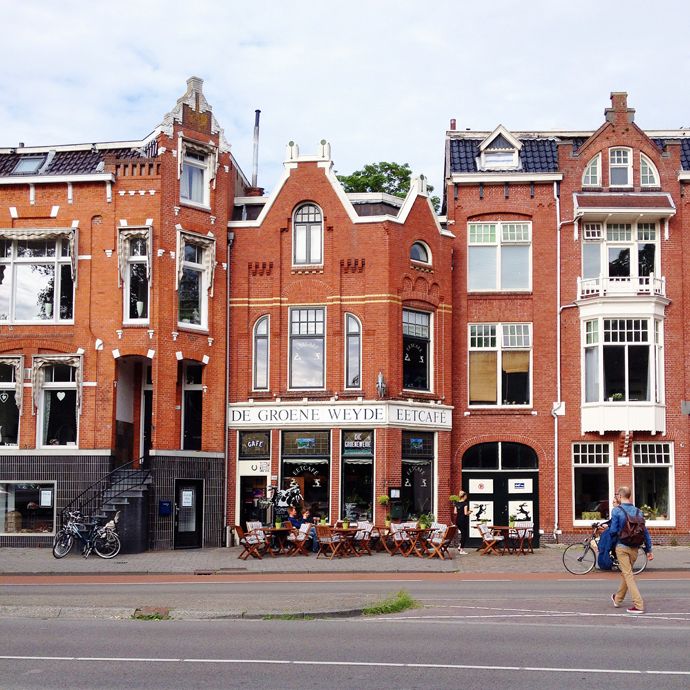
(253, 544)
(489, 540)
(521, 535)
(360, 541)
(329, 543)
(298, 539)
(439, 544)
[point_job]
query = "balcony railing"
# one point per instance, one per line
(604, 286)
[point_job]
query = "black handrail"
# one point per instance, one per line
(90, 500)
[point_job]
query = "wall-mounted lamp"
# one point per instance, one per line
(381, 385)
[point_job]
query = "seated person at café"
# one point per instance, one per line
(293, 517)
(306, 517)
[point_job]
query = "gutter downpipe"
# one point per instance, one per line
(557, 409)
(226, 431)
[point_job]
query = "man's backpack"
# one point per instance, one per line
(632, 532)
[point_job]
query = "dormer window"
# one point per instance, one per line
(649, 177)
(28, 165)
(499, 151)
(620, 167)
(592, 175)
(420, 252)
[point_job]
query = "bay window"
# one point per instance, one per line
(499, 256)
(37, 275)
(500, 364)
(307, 347)
(622, 360)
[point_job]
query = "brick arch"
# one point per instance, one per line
(307, 291)
(420, 291)
(495, 438)
(36, 346)
(498, 216)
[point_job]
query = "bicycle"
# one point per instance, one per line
(580, 558)
(103, 539)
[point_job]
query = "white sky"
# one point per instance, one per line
(379, 79)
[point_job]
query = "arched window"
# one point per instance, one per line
(592, 174)
(502, 455)
(307, 236)
(649, 177)
(420, 252)
(353, 352)
(261, 354)
(620, 167)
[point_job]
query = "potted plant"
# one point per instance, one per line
(454, 498)
(346, 523)
(511, 521)
(617, 397)
(324, 520)
(384, 500)
(425, 520)
(278, 524)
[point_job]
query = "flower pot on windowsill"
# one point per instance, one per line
(140, 308)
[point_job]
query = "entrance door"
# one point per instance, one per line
(146, 425)
(252, 494)
(189, 513)
(496, 496)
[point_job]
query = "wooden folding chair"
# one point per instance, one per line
(489, 540)
(360, 542)
(299, 538)
(439, 543)
(521, 535)
(254, 544)
(329, 543)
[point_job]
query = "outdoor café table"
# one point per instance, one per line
(347, 534)
(505, 531)
(281, 535)
(416, 536)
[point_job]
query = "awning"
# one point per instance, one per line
(628, 206)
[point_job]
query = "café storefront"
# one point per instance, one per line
(341, 456)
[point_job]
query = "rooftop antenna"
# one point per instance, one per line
(255, 161)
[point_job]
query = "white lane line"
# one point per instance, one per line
(375, 664)
(201, 582)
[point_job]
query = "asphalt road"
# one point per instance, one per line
(518, 634)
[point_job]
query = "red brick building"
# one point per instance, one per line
(340, 325)
(570, 327)
(113, 295)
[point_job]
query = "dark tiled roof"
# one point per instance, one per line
(73, 162)
(650, 200)
(685, 153)
(536, 156)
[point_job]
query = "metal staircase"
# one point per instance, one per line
(111, 492)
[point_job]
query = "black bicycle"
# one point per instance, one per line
(103, 539)
(580, 559)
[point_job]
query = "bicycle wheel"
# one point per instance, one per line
(641, 562)
(579, 559)
(107, 545)
(62, 544)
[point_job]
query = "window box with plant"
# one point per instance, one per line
(384, 500)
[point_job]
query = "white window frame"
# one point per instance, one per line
(593, 336)
(502, 333)
(591, 177)
(307, 228)
(670, 465)
(425, 247)
(16, 388)
(651, 174)
(190, 387)
(502, 231)
(40, 417)
(129, 260)
(42, 483)
(190, 155)
(613, 153)
(348, 334)
(323, 336)
(265, 319)
(60, 259)
(206, 267)
(23, 169)
(603, 235)
(589, 460)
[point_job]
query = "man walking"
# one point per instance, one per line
(627, 553)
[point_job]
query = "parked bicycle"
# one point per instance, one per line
(103, 539)
(580, 559)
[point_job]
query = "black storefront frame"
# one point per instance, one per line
(418, 453)
(353, 457)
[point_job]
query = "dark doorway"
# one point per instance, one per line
(189, 513)
(146, 425)
(252, 497)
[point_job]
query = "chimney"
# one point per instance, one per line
(195, 87)
(619, 113)
(255, 157)
(453, 124)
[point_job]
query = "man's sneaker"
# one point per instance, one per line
(461, 552)
(613, 599)
(634, 609)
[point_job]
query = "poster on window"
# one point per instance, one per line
(481, 486)
(520, 486)
(187, 498)
(46, 498)
(522, 510)
(482, 511)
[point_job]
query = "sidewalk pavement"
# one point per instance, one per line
(219, 561)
